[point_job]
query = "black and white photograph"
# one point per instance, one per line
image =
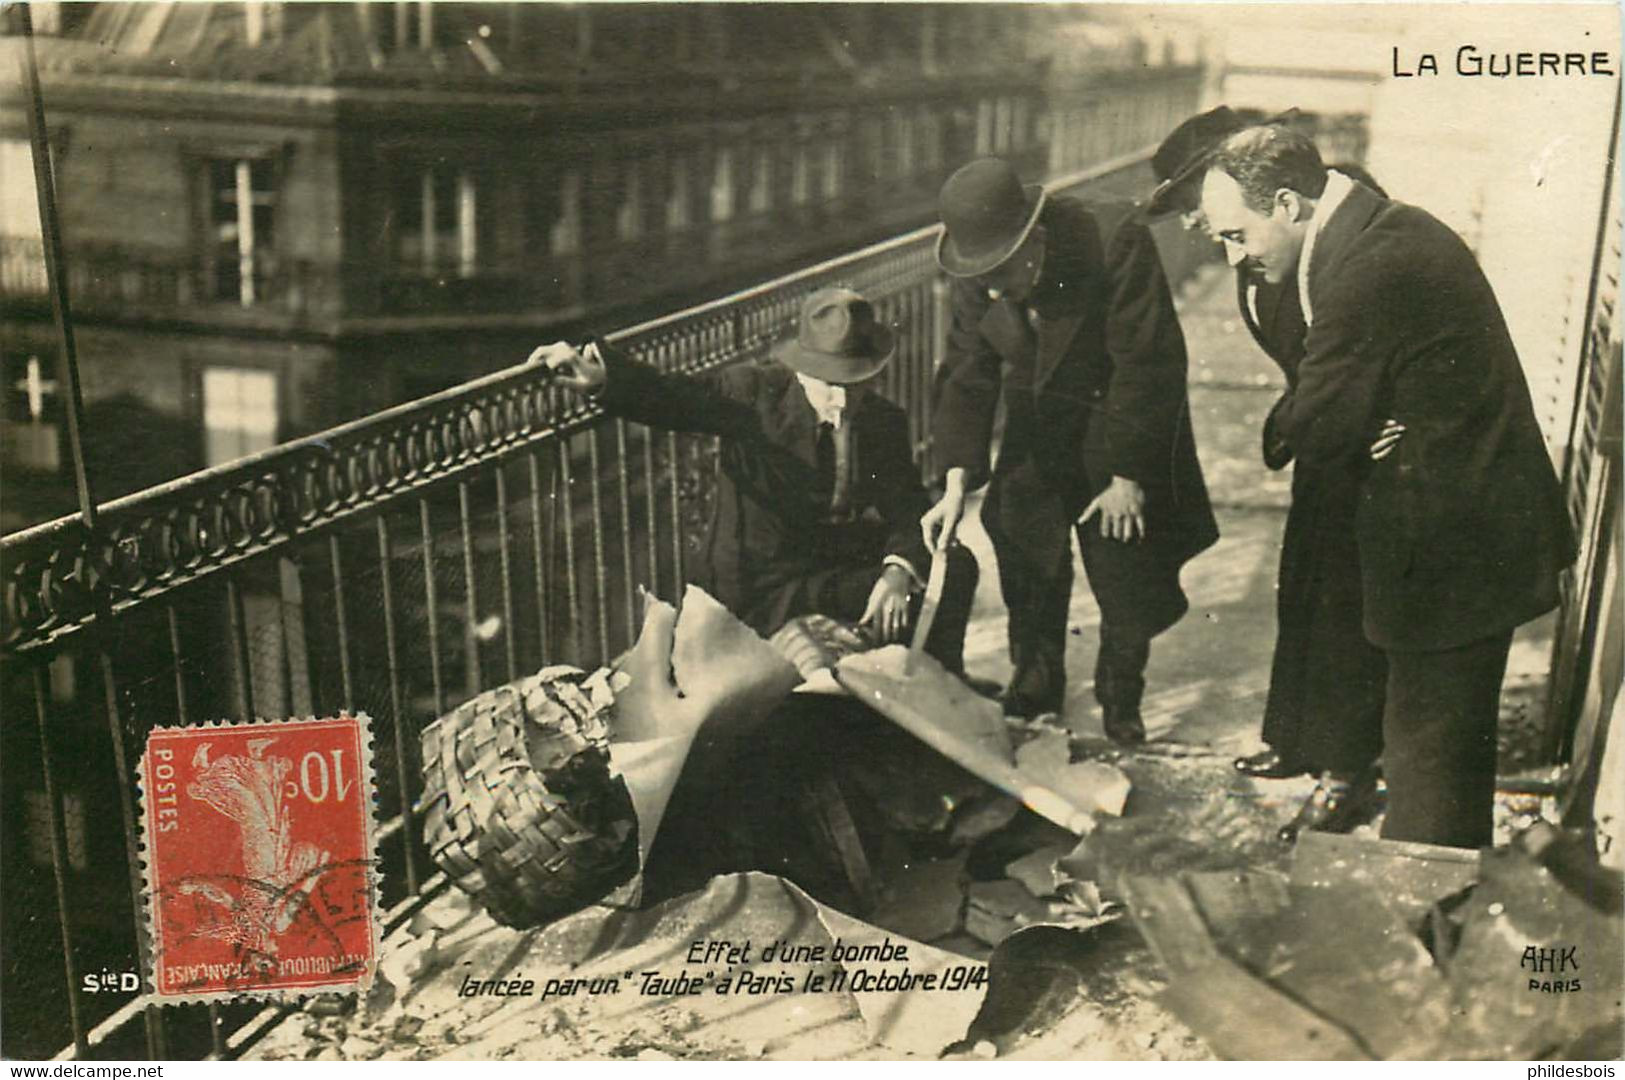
(879, 531)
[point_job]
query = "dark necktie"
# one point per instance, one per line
(835, 460)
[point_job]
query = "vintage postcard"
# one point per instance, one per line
(810, 531)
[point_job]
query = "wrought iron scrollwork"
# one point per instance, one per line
(58, 576)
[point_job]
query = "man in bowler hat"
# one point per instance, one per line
(1062, 309)
(1461, 530)
(1323, 713)
(819, 498)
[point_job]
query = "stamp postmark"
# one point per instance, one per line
(260, 870)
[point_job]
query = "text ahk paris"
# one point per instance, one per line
(1557, 960)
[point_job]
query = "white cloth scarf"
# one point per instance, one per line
(1337, 189)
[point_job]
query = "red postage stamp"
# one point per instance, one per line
(261, 880)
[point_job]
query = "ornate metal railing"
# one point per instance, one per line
(395, 565)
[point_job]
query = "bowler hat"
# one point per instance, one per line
(1190, 146)
(838, 339)
(986, 215)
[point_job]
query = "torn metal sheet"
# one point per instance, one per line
(1412, 876)
(945, 714)
(1036, 977)
(878, 679)
(1523, 964)
(1048, 759)
(1040, 870)
(924, 901)
(1348, 955)
(1221, 1001)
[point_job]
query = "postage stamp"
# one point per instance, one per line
(260, 871)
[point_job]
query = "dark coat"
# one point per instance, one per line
(1274, 317)
(1095, 389)
(1327, 682)
(1462, 531)
(770, 543)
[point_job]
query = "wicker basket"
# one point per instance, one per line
(523, 812)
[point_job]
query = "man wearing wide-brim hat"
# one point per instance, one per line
(819, 499)
(1062, 309)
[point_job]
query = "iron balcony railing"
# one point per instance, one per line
(396, 565)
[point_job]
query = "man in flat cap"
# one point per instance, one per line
(1323, 713)
(1062, 309)
(819, 499)
(1461, 530)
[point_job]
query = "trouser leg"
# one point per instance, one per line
(1120, 682)
(1037, 604)
(1120, 669)
(1439, 727)
(946, 641)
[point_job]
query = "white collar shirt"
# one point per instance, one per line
(1337, 189)
(827, 400)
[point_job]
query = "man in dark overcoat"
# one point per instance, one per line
(1461, 530)
(1323, 713)
(1061, 310)
(819, 499)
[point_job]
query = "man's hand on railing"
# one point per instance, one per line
(582, 370)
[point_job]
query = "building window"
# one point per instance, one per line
(834, 166)
(629, 215)
(875, 149)
(47, 17)
(22, 252)
(19, 206)
(565, 236)
(903, 143)
(930, 125)
(242, 203)
(984, 128)
(239, 412)
(436, 211)
(722, 186)
(800, 181)
(679, 196)
(29, 434)
(760, 197)
(414, 24)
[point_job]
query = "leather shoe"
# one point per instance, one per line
(1015, 703)
(1334, 807)
(1124, 726)
(983, 687)
(1269, 765)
